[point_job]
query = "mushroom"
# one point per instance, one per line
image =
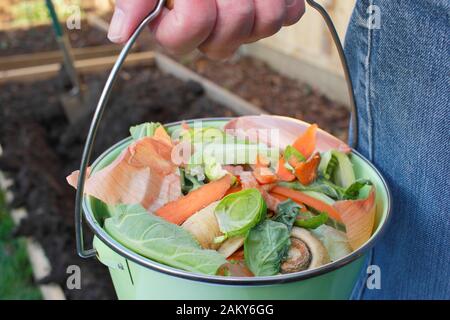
(204, 227)
(306, 252)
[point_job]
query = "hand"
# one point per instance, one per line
(215, 27)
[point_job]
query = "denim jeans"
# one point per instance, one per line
(401, 76)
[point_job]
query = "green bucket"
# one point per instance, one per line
(137, 277)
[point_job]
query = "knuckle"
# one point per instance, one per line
(272, 21)
(271, 25)
(243, 9)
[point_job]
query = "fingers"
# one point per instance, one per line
(295, 10)
(269, 18)
(216, 27)
(234, 25)
(187, 26)
(127, 15)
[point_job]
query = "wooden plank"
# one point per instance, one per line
(83, 66)
(41, 58)
(213, 91)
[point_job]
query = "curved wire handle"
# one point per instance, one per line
(82, 252)
(348, 78)
(95, 124)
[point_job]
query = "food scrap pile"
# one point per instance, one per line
(258, 196)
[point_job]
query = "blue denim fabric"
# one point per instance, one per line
(401, 75)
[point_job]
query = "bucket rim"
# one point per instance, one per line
(126, 253)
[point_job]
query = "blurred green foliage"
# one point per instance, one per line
(15, 270)
(30, 12)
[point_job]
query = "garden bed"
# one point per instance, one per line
(256, 82)
(40, 148)
(42, 38)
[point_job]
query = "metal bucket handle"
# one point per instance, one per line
(88, 253)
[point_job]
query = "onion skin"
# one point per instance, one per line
(231, 245)
(204, 227)
(359, 218)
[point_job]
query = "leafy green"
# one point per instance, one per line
(320, 185)
(330, 189)
(287, 213)
(188, 183)
(328, 163)
(353, 191)
(336, 167)
(239, 212)
(343, 175)
(160, 240)
(308, 220)
(144, 130)
(266, 246)
(289, 153)
(290, 213)
(213, 169)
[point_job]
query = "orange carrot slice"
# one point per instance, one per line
(306, 172)
(283, 198)
(358, 217)
(264, 175)
(306, 143)
(181, 209)
(278, 196)
(300, 197)
(261, 170)
(282, 172)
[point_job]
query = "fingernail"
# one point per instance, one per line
(116, 28)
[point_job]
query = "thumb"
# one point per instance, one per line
(127, 16)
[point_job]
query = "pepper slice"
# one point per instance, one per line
(309, 221)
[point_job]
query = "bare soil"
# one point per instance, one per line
(256, 82)
(40, 148)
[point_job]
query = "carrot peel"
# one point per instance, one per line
(301, 197)
(306, 143)
(306, 172)
(181, 209)
(358, 217)
(282, 172)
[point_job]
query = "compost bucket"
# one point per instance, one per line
(137, 277)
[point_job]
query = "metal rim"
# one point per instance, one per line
(236, 281)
